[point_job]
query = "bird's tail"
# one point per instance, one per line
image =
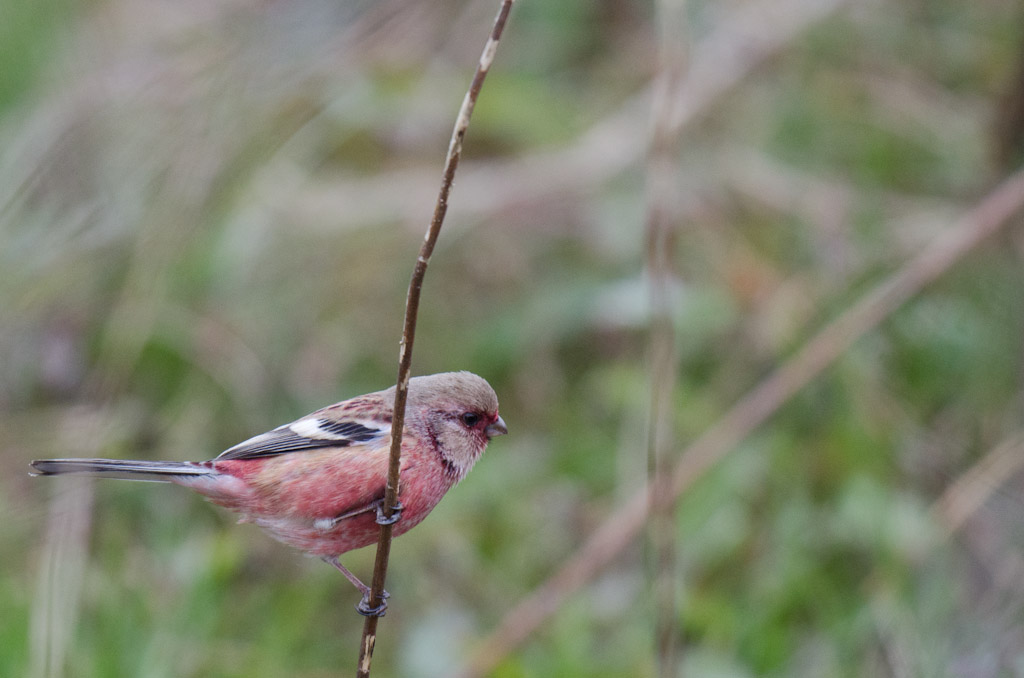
(155, 471)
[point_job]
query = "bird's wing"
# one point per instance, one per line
(318, 430)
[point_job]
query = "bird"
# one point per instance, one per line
(317, 483)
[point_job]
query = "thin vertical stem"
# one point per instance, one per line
(412, 304)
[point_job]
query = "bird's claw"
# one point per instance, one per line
(364, 608)
(396, 514)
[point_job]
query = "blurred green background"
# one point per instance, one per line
(209, 213)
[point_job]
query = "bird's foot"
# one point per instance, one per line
(396, 514)
(364, 608)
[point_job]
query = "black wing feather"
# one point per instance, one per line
(351, 430)
(284, 440)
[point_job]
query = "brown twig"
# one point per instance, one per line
(412, 304)
(986, 218)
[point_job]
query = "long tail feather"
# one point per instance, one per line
(154, 471)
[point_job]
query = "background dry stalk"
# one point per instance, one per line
(663, 218)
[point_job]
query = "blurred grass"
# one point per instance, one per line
(208, 217)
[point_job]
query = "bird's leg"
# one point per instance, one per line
(396, 513)
(363, 607)
(325, 524)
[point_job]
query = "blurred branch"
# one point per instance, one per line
(988, 216)
(823, 199)
(898, 641)
(965, 496)
(972, 489)
(719, 62)
(412, 303)
(663, 217)
(749, 37)
(58, 595)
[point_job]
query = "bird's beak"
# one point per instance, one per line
(497, 428)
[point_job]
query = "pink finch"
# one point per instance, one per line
(318, 483)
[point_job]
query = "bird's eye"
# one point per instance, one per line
(471, 419)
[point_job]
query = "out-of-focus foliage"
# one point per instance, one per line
(209, 213)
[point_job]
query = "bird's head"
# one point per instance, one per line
(459, 412)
